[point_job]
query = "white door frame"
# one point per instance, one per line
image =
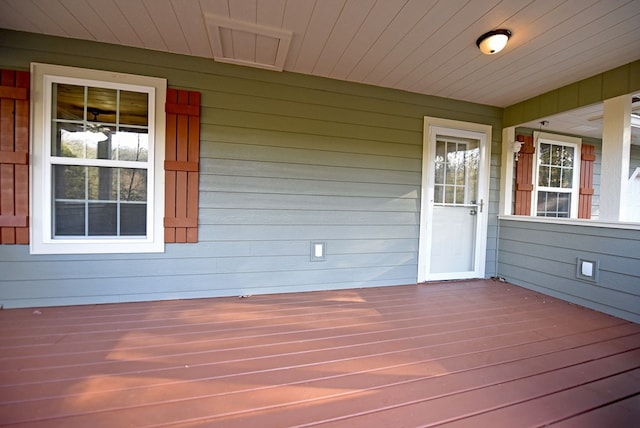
(432, 126)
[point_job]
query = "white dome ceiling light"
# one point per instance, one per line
(493, 42)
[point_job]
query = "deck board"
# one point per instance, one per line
(473, 353)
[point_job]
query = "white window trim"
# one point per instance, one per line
(41, 240)
(576, 143)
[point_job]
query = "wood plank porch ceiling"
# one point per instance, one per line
(466, 354)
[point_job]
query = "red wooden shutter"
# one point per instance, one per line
(182, 166)
(524, 176)
(14, 157)
(587, 158)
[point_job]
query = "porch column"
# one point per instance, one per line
(506, 173)
(616, 146)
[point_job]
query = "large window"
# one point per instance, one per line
(557, 177)
(98, 148)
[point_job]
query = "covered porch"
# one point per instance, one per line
(455, 354)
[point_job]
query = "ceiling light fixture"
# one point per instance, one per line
(493, 42)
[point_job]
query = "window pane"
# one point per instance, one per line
(472, 159)
(68, 102)
(108, 192)
(543, 176)
(564, 202)
(101, 105)
(439, 172)
(438, 196)
(72, 141)
(103, 219)
(448, 194)
(451, 163)
(69, 219)
(100, 145)
(554, 204)
(133, 219)
(133, 184)
(545, 156)
(439, 163)
(68, 140)
(460, 174)
(567, 178)
(131, 145)
(542, 203)
(554, 176)
(69, 182)
(134, 108)
(567, 161)
(102, 183)
(556, 155)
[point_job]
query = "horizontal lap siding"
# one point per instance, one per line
(543, 257)
(290, 166)
(285, 160)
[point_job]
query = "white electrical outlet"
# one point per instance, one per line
(318, 251)
(587, 268)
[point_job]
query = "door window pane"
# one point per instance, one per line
(456, 171)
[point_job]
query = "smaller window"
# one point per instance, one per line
(556, 176)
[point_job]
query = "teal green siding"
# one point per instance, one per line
(622, 80)
(543, 257)
(285, 159)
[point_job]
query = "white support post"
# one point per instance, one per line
(616, 146)
(506, 172)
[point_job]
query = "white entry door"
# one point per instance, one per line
(454, 200)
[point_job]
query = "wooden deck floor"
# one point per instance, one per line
(467, 354)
